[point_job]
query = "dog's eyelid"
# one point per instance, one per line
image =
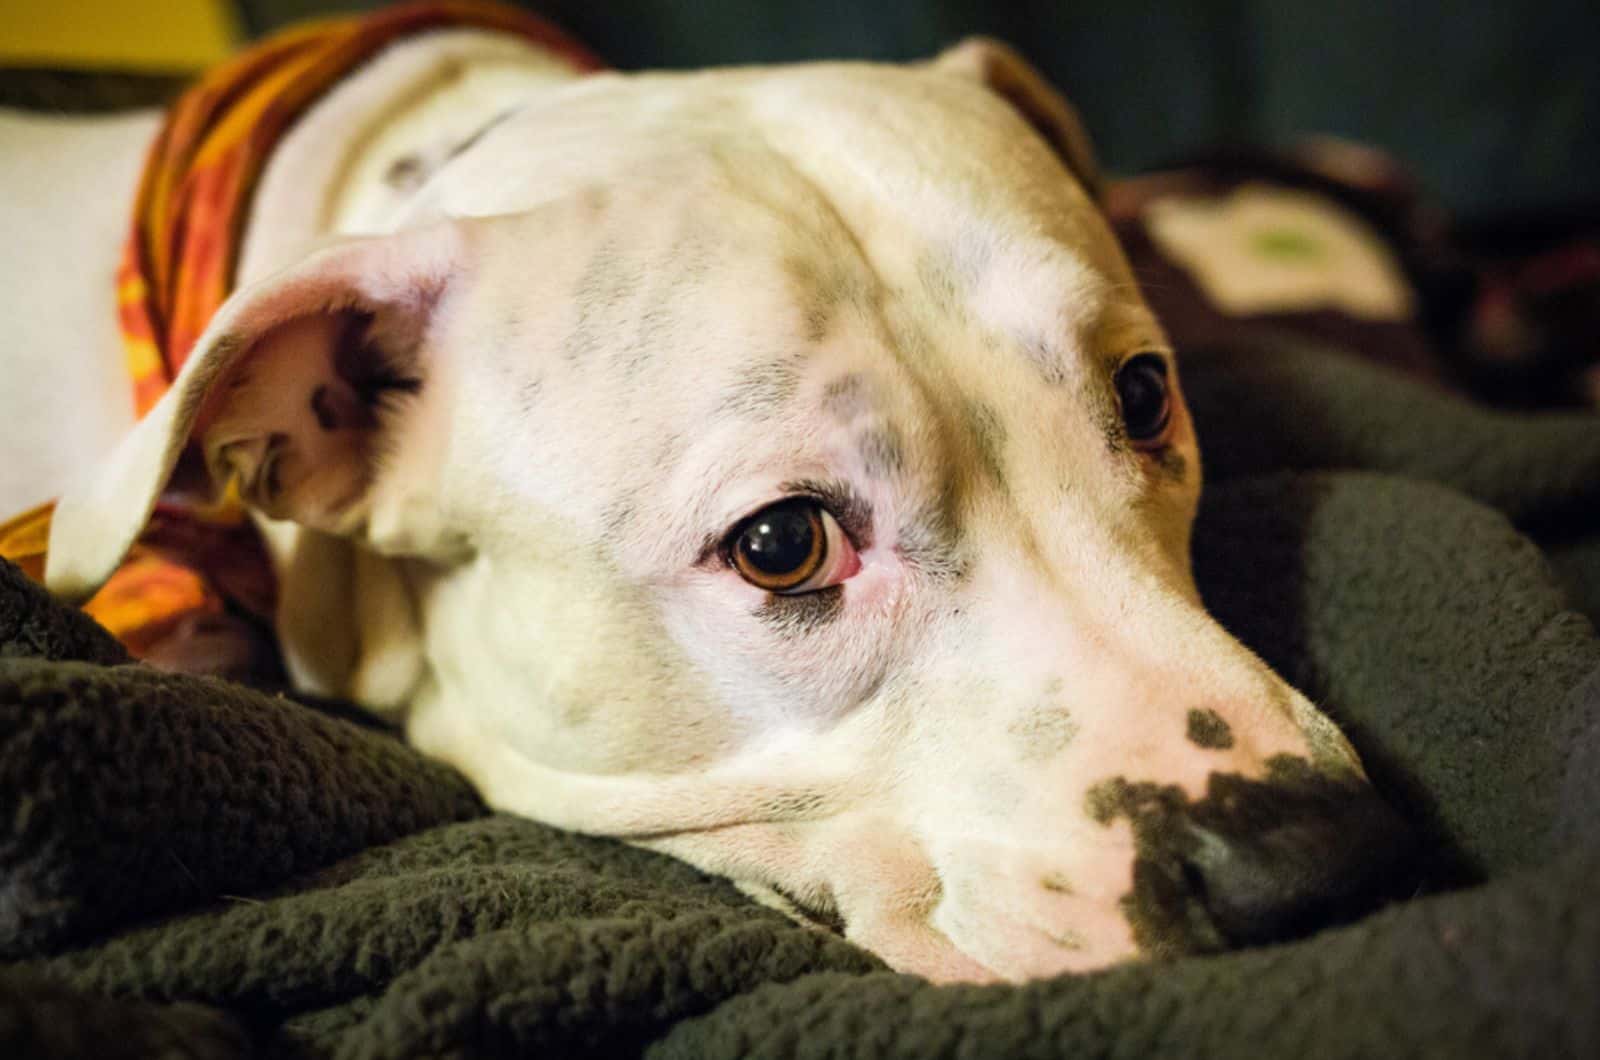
(1150, 349)
(850, 509)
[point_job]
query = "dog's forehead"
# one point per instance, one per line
(886, 145)
(925, 176)
(745, 267)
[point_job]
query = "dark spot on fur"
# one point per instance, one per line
(617, 518)
(575, 711)
(822, 289)
(816, 316)
(652, 330)
(1168, 919)
(764, 387)
(1046, 357)
(845, 398)
(1046, 729)
(947, 274)
(409, 172)
(1056, 883)
(1109, 420)
(1173, 464)
(988, 434)
(910, 344)
(882, 454)
(936, 272)
(405, 173)
(1254, 859)
(803, 613)
(528, 392)
(1068, 939)
(606, 284)
(1208, 729)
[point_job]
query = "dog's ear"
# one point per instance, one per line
(1006, 73)
(288, 392)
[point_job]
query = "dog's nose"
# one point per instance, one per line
(1273, 870)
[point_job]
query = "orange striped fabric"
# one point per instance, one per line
(178, 267)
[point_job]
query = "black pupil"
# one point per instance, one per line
(778, 541)
(1142, 388)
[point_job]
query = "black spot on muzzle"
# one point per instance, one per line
(1255, 861)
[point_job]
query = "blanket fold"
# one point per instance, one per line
(1505, 971)
(136, 792)
(186, 861)
(31, 626)
(1296, 405)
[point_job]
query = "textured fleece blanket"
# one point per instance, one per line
(192, 868)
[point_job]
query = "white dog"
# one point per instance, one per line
(778, 468)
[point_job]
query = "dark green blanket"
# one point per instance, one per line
(191, 866)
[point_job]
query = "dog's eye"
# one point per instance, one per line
(1142, 391)
(794, 546)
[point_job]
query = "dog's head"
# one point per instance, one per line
(781, 469)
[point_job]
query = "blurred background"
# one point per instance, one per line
(1482, 116)
(1494, 105)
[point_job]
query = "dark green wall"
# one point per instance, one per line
(1495, 104)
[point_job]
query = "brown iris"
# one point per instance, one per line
(782, 547)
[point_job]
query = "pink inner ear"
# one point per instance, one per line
(295, 419)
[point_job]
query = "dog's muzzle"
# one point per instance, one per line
(1257, 861)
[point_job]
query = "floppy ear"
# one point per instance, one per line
(287, 392)
(998, 66)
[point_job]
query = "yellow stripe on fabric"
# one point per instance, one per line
(143, 359)
(25, 538)
(171, 35)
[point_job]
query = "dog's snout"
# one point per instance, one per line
(1272, 868)
(1257, 859)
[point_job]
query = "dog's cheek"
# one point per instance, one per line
(777, 656)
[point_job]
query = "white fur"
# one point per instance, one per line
(585, 293)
